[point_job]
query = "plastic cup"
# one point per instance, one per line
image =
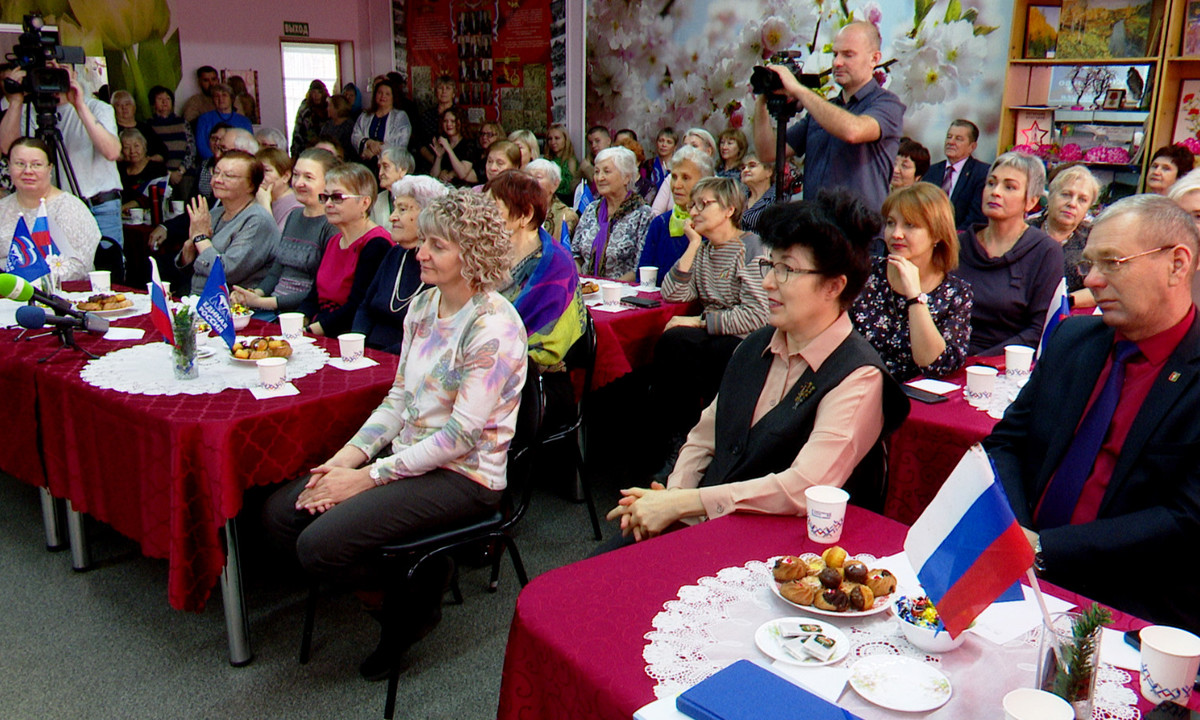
(826, 512)
(610, 293)
(350, 345)
(1170, 657)
(1030, 704)
(648, 276)
(176, 207)
(137, 216)
(981, 383)
(1018, 359)
(101, 280)
(291, 325)
(272, 373)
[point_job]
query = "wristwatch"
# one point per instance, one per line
(376, 477)
(200, 237)
(921, 299)
(1039, 562)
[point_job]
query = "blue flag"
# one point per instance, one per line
(213, 306)
(24, 260)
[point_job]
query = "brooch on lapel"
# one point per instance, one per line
(806, 390)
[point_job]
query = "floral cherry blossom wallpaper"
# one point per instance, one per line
(669, 62)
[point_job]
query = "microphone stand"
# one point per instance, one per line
(67, 337)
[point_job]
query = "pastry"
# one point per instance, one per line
(861, 598)
(855, 571)
(834, 556)
(832, 599)
(802, 591)
(830, 577)
(789, 567)
(587, 287)
(881, 582)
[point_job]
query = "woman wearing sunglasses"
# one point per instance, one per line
(805, 402)
(353, 254)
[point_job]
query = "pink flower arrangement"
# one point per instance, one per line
(1192, 144)
(1109, 155)
(1071, 152)
(1027, 149)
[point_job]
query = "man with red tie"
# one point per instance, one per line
(960, 174)
(1100, 453)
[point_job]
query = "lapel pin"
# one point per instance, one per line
(805, 390)
(1173, 377)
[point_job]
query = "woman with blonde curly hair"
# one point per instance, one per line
(434, 452)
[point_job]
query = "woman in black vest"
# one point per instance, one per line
(805, 402)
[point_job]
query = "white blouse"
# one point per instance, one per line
(72, 228)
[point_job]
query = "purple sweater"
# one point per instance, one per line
(1012, 292)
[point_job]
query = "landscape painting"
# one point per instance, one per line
(1104, 28)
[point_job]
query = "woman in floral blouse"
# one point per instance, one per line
(434, 452)
(608, 241)
(915, 314)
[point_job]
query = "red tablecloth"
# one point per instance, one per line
(625, 340)
(924, 450)
(170, 470)
(575, 645)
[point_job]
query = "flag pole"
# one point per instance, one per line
(1041, 601)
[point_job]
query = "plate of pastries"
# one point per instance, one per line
(104, 303)
(833, 583)
(253, 349)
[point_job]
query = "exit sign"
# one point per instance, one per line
(295, 29)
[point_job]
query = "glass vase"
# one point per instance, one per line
(184, 352)
(1069, 667)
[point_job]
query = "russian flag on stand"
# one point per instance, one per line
(160, 312)
(967, 547)
(41, 232)
(1058, 310)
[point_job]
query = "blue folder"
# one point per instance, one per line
(745, 691)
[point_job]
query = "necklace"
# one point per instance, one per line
(404, 302)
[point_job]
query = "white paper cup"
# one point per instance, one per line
(137, 216)
(1030, 704)
(272, 372)
(351, 346)
(1017, 361)
(291, 325)
(1170, 658)
(610, 293)
(826, 512)
(101, 280)
(648, 276)
(981, 383)
(176, 207)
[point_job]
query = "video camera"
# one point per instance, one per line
(34, 51)
(764, 81)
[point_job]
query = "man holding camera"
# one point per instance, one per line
(89, 137)
(850, 141)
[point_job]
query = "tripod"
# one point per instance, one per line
(782, 108)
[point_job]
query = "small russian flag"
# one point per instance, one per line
(41, 232)
(160, 312)
(1058, 310)
(967, 547)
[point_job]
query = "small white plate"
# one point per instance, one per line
(107, 313)
(204, 351)
(900, 683)
(768, 639)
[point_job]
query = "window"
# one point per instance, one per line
(303, 63)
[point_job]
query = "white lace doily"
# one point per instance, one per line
(712, 623)
(149, 370)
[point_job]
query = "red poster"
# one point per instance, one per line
(497, 51)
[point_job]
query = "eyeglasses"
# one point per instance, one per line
(783, 273)
(229, 176)
(697, 208)
(36, 165)
(1111, 266)
(335, 198)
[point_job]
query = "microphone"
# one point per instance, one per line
(15, 287)
(35, 318)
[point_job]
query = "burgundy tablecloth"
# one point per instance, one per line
(20, 457)
(575, 645)
(925, 448)
(170, 470)
(625, 340)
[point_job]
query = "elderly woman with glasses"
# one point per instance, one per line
(238, 230)
(715, 269)
(912, 311)
(353, 254)
(1073, 192)
(611, 232)
(666, 240)
(1013, 269)
(805, 402)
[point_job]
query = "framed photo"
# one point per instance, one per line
(1113, 99)
(1187, 115)
(1191, 29)
(1041, 30)
(1110, 29)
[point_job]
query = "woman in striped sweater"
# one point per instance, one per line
(715, 269)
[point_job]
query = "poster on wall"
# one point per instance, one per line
(498, 54)
(1187, 117)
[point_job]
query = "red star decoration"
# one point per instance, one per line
(1034, 134)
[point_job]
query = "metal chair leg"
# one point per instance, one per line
(310, 616)
(237, 625)
(389, 707)
(497, 553)
(81, 556)
(518, 566)
(50, 521)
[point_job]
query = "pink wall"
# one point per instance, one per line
(240, 34)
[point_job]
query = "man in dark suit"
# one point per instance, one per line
(1100, 453)
(960, 174)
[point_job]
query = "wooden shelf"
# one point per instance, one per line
(1085, 61)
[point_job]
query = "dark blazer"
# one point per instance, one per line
(1139, 554)
(967, 197)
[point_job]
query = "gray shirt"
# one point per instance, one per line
(244, 244)
(296, 258)
(864, 168)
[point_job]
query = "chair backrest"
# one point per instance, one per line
(868, 483)
(521, 449)
(582, 355)
(109, 256)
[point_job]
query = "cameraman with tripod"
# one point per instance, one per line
(850, 141)
(89, 146)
